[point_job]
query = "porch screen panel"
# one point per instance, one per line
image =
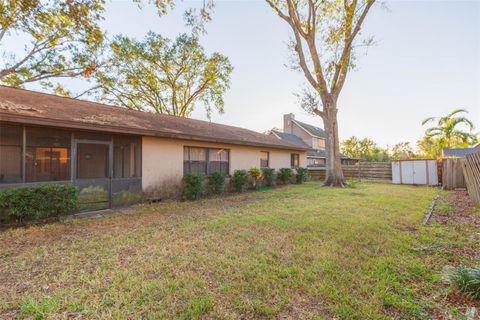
(92, 161)
(47, 154)
(11, 141)
(127, 157)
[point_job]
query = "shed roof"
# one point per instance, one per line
(460, 152)
(25, 106)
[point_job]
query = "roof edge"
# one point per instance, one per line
(313, 135)
(143, 132)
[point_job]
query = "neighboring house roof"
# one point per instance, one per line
(294, 139)
(322, 154)
(460, 152)
(290, 138)
(19, 105)
(312, 130)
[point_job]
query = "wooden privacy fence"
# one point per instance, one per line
(361, 170)
(452, 174)
(471, 172)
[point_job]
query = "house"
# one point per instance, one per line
(116, 155)
(460, 152)
(306, 135)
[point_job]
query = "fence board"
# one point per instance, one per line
(471, 171)
(361, 170)
(452, 174)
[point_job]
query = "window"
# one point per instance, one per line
(264, 159)
(127, 157)
(316, 162)
(47, 155)
(11, 141)
(295, 160)
(218, 160)
(205, 160)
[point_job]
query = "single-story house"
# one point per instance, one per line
(460, 152)
(115, 154)
(307, 136)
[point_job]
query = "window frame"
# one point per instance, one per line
(261, 159)
(206, 161)
(292, 160)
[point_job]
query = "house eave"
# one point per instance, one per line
(8, 117)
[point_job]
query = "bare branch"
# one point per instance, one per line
(344, 61)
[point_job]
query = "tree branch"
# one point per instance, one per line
(344, 61)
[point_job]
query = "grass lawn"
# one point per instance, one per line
(295, 252)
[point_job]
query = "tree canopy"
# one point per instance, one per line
(63, 39)
(164, 76)
(363, 149)
(447, 133)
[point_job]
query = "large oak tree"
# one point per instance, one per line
(164, 76)
(60, 38)
(325, 33)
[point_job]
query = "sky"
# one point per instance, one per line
(426, 62)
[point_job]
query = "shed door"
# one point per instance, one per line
(407, 172)
(93, 174)
(419, 172)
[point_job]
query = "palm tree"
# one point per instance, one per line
(447, 133)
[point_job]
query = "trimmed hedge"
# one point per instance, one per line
(301, 175)
(193, 186)
(216, 183)
(269, 176)
(240, 180)
(284, 175)
(37, 202)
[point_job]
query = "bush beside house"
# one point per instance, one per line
(284, 175)
(193, 186)
(240, 180)
(37, 202)
(269, 177)
(301, 175)
(216, 183)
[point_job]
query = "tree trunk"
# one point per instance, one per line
(334, 173)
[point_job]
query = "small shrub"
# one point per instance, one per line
(193, 188)
(301, 175)
(269, 176)
(240, 180)
(256, 175)
(37, 202)
(216, 183)
(284, 175)
(351, 183)
(467, 281)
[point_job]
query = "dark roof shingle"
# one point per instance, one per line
(314, 131)
(290, 138)
(25, 106)
(460, 152)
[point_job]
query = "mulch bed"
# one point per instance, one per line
(463, 213)
(463, 210)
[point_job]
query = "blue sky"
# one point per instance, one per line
(426, 62)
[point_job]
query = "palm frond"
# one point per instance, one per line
(454, 112)
(424, 122)
(464, 121)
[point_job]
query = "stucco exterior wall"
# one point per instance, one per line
(162, 162)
